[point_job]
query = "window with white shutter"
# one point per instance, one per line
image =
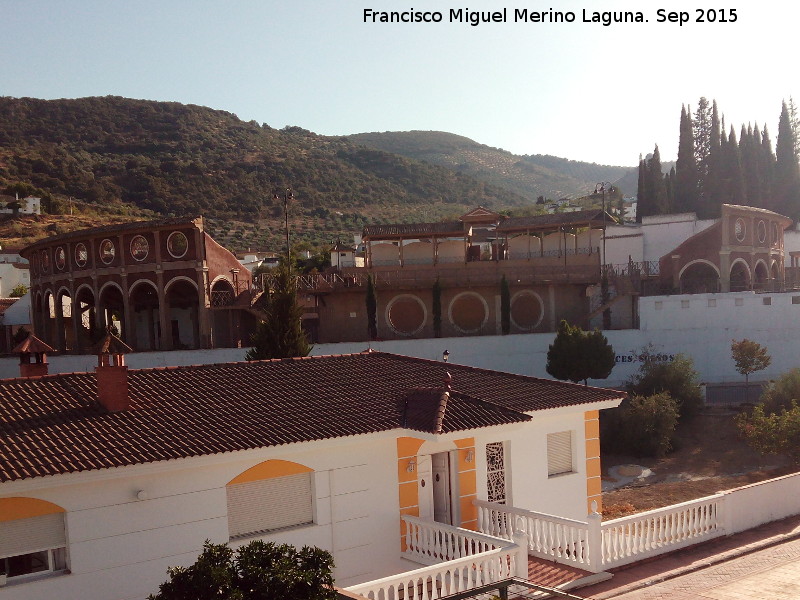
(264, 505)
(32, 545)
(559, 453)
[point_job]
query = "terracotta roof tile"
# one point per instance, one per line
(54, 424)
(455, 228)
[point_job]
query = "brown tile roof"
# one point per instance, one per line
(5, 303)
(54, 424)
(579, 217)
(32, 345)
(412, 230)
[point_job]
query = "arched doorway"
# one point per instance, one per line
(224, 320)
(740, 277)
(86, 316)
(699, 278)
(761, 276)
(182, 314)
(63, 321)
(112, 310)
(145, 308)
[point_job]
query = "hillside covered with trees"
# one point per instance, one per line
(531, 176)
(170, 158)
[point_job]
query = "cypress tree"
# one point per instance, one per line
(712, 188)
(787, 170)
(767, 170)
(372, 309)
(280, 334)
(643, 204)
(731, 180)
(654, 184)
(686, 175)
(701, 128)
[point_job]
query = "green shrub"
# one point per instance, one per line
(780, 393)
(776, 433)
(641, 425)
(677, 378)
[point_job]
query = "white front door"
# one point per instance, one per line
(425, 486)
(441, 488)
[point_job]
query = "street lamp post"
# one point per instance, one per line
(601, 189)
(287, 195)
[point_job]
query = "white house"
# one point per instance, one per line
(110, 477)
(27, 206)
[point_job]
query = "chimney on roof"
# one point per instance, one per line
(112, 373)
(32, 345)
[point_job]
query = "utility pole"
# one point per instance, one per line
(287, 195)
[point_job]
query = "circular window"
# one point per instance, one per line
(406, 314)
(139, 247)
(740, 229)
(45, 261)
(761, 229)
(468, 312)
(61, 258)
(775, 235)
(177, 244)
(107, 251)
(526, 310)
(81, 255)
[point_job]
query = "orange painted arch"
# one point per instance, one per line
(269, 469)
(12, 509)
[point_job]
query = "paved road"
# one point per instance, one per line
(769, 574)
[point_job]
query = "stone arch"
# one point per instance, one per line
(468, 312)
(64, 331)
(111, 305)
(406, 314)
(699, 277)
(145, 306)
(740, 276)
(85, 314)
(182, 302)
(760, 275)
(225, 325)
(775, 271)
(49, 317)
(527, 310)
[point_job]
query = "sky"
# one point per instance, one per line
(582, 91)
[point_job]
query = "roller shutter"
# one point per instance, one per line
(25, 536)
(268, 504)
(559, 453)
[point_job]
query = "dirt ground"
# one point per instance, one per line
(708, 457)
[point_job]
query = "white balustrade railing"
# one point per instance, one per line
(565, 541)
(429, 542)
(445, 578)
(642, 535)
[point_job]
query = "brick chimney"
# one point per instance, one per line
(32, 346)
(112, 373)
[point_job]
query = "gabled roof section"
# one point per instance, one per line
(54, 424)
(481, 215)
(6, 303)
(579, 218)
(414, 230)
(32, 345)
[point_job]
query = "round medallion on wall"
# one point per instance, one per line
(761, 230)
(406, 314)
(61, 258)
(107, 251)
(526, 310)
(140, 248)
(468, 312)
(81, 255)
(45, 261)
(740, 229)
(775, 234)
(177, 244)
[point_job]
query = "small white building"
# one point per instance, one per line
(29, 205)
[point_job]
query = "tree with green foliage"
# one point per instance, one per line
(749, 357)
(676, 377)
(787, 170)
(686, 167)
(780, 393)
(776, 433)
(641, 425)
(436, 309)
(18, 291)
(256, 571)
(372, 309)
(578, 355)
(280, 334)
(505, 306)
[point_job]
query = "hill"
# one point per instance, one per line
(530, 176)
(169, 158)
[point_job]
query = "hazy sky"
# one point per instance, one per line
(578, 90)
